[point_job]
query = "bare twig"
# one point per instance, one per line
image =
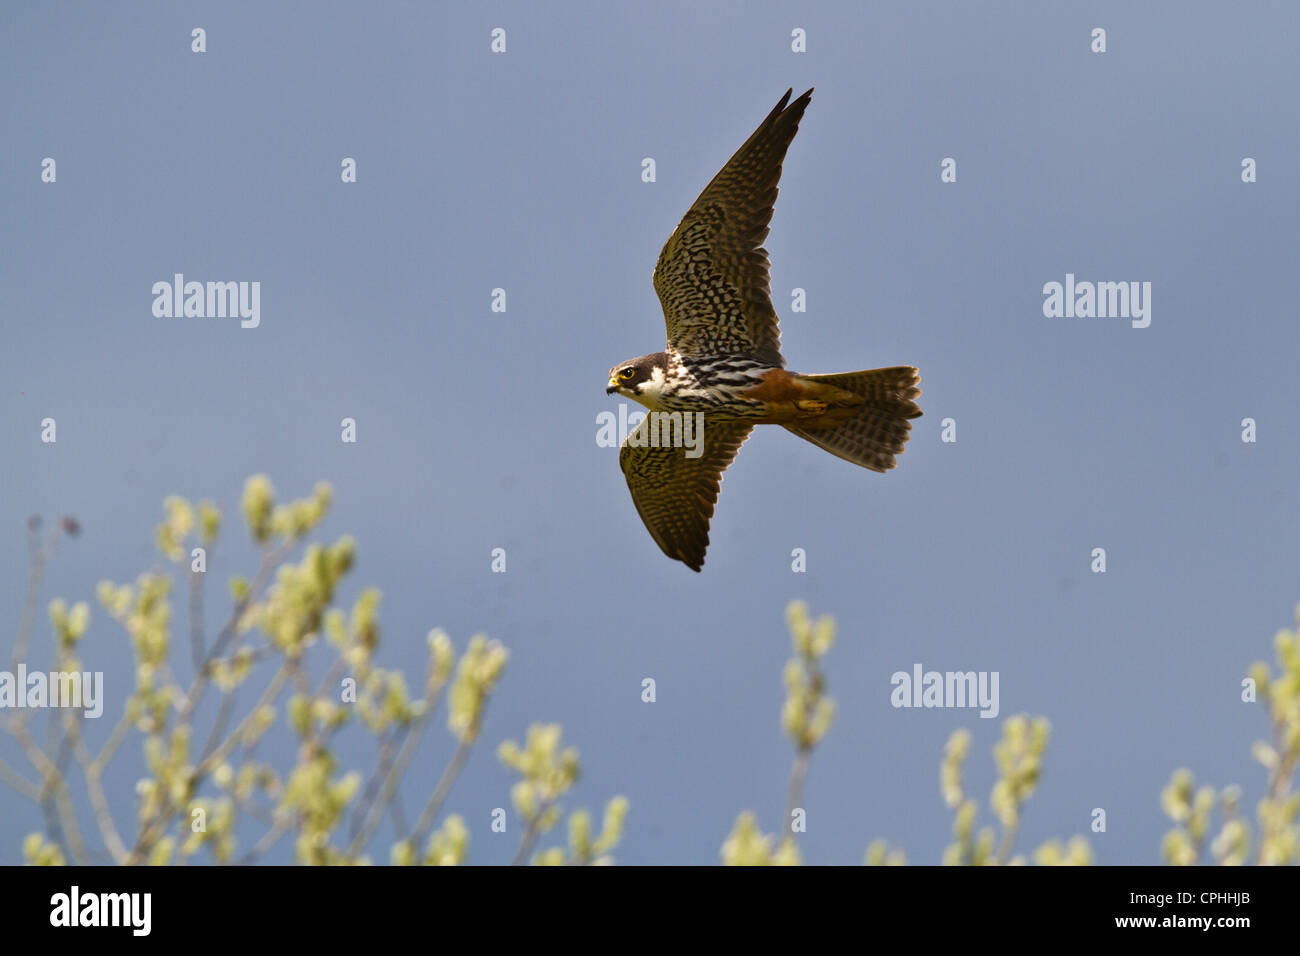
(99, 803)
(271, 558)
(531, 835)
(375, 812)
(196, 617)
(282, 826)
(430, 812)
(18, 781)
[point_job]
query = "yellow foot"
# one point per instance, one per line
(811, 406)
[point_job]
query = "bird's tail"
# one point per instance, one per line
(882, 425)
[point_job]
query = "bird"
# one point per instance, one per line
(723, 363)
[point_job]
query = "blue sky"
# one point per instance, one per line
(476, 430)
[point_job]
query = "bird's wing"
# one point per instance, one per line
(712, 275)
(675, 494)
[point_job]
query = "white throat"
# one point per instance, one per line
(648, 392)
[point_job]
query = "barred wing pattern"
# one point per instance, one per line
(712, 275)
(674, 494)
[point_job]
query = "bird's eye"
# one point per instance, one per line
(626, 374)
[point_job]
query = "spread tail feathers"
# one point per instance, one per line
(881, 427)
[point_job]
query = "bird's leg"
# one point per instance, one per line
(813, 408)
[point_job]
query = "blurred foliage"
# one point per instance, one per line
(200, 791)
(1278, 812)
(546, 773)
(806, 719)
(1018, 756)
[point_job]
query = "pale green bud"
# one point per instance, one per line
(525, 799)
(580, 834)
(823, 637)
(442, 654)
(257, 503)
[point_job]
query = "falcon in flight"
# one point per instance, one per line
(724, 358)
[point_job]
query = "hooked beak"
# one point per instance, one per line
(612, 387)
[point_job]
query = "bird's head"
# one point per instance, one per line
(640, 379)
